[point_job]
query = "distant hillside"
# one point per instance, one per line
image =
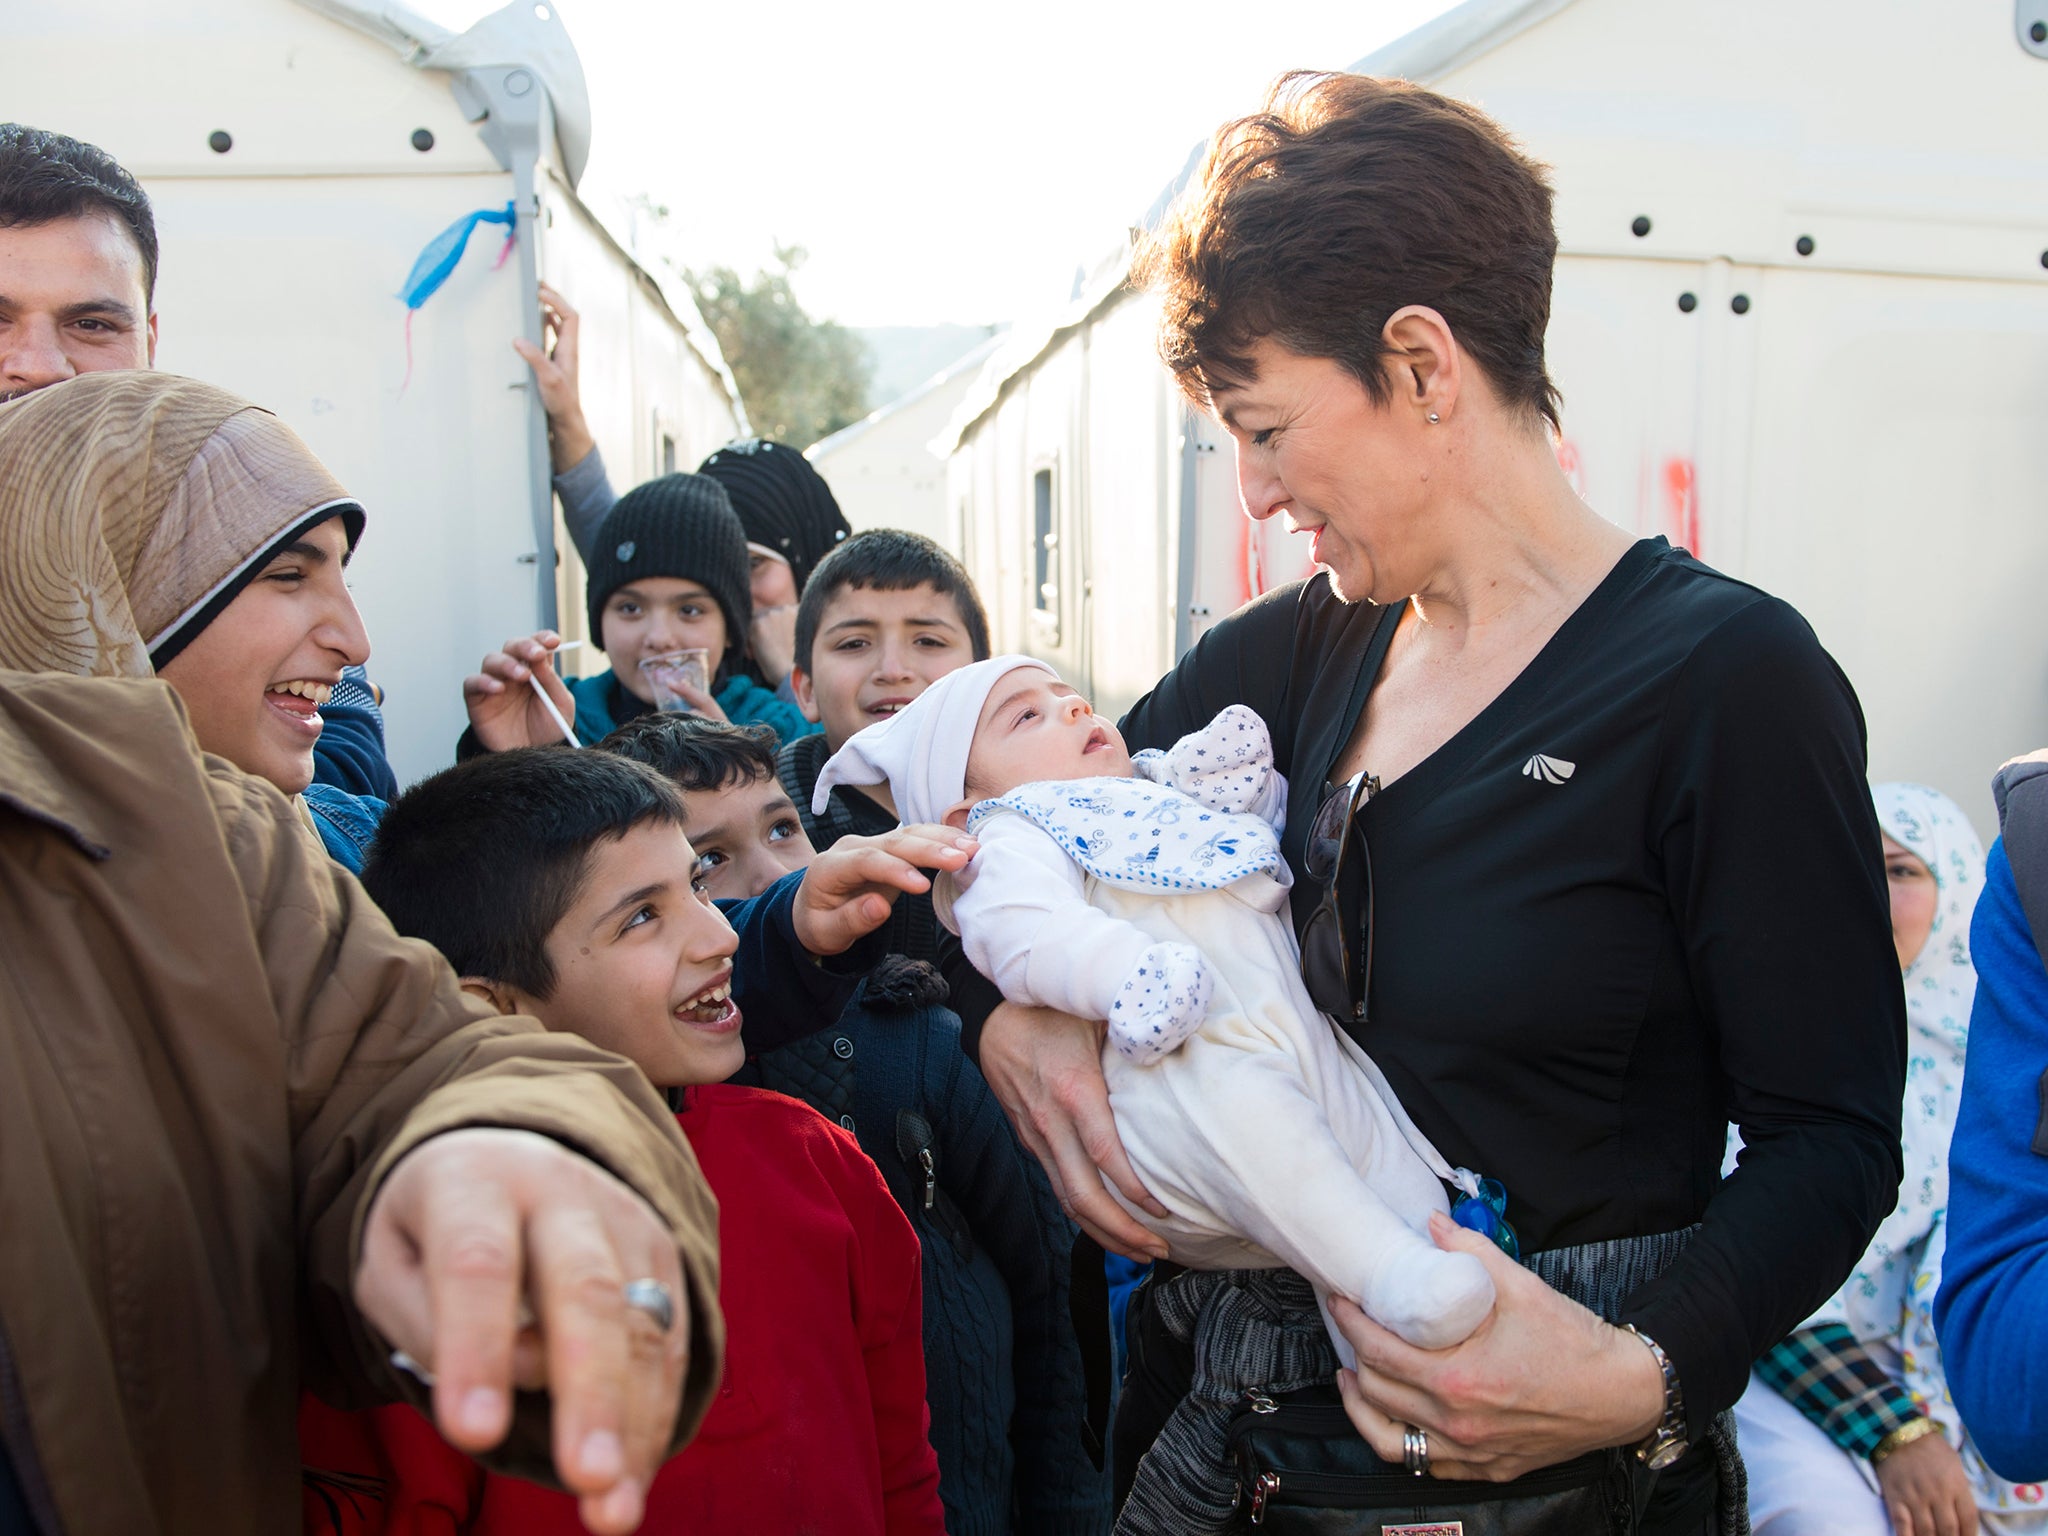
(907, 355)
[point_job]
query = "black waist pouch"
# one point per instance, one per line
(1303, 1470)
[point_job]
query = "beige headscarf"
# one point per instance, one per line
(133, 506)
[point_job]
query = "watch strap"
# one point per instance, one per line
(1667, 1442)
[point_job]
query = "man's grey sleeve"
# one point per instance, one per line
(587, 495)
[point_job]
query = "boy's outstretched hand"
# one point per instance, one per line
(849, 889)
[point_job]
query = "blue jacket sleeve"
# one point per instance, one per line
(349, 756)
(1992, 1310)
(347, 823)
(782, 990)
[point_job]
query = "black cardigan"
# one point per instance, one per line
(1586, 967)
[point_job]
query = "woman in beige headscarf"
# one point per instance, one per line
(243, 1122)
(150, 523)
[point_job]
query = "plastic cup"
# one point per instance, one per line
(667, 673)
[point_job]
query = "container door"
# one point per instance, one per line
(1898, 497)
(1234, 558)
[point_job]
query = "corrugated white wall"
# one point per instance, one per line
(281, 262)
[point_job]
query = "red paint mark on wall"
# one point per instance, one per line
(1272, 557)
(1269, 556)
(1573, 466)
(1682, 505)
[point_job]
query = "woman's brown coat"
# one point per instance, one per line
(212, 1046)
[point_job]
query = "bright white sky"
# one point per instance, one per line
(940, 162)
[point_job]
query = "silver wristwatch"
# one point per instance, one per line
(1667, 1442)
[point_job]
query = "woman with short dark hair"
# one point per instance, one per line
(1606, 874)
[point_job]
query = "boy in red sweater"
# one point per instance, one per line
(560, 885)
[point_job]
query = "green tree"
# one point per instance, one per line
(801, 379)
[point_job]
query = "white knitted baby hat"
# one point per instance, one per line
(920, 752)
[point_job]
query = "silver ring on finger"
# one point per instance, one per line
(655, 1299)
(1415, 1450)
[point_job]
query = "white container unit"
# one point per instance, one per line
(1800, 325)
(355, 132)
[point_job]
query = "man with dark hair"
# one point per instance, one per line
(78, 260)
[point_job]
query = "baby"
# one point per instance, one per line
(1151, 893)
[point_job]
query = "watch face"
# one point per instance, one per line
(1663, 1454)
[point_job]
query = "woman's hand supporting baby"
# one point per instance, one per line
(1540, 1381)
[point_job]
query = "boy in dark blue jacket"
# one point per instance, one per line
(1003, 1367)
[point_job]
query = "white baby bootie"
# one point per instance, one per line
(1161, 1003)
(1429, 1297)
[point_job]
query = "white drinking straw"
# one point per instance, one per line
(533, 677)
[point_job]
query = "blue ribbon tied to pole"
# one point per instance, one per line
(440, 258)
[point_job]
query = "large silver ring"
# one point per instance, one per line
(655, 1299)
(1415, 1450)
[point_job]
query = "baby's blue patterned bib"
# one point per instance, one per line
(1143, 836)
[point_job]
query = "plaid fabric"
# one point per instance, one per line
(1832, 1379)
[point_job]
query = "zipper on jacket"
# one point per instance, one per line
(915, 1144)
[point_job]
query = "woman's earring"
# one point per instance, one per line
(1434, 418)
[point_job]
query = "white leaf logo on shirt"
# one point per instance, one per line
(1551, 770)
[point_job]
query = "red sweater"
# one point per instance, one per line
(820, 1423)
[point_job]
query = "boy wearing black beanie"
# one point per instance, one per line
(667, 572)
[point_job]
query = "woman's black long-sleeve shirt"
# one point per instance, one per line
(1638, 897)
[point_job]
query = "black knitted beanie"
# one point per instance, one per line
(681, 526)
(784, 504)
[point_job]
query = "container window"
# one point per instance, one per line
(1045, 544)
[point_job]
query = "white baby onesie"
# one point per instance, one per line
(1159, 903)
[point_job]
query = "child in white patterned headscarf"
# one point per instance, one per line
(1152, 894)
(1804, 1476)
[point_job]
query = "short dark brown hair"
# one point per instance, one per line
(48, 176)
(889, 560)
(1346, 198)
(693, 753)
(485, 859)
